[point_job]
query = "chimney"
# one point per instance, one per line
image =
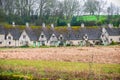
(52, 26)
(82, 25)
(43, 25)
(13, 24)
(68, 25)
(110, 25)
(27, 24)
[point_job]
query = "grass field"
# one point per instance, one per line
(91, 18)
(49, 63)
(48, 69)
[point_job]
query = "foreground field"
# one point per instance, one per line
(109, 54)
(55, 70)
(70, 63)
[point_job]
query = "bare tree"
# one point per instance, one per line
(90, 6)
(100, 7)
(70, 7)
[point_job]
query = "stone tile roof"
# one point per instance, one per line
(113, 31)
(67, 33)
(15, 32)
(31, 34)
(2, 30)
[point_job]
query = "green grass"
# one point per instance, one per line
(91, 18)
(44, 68)
(65, 66)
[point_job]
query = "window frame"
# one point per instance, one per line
(9, 43)
(24, 36)
(0, 42)
(42, 36)
(9, 37)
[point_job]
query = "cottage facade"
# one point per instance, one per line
(2, 37)
(51, 37)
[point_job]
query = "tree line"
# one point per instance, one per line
(59, 12)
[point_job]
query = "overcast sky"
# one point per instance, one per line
(116, 2)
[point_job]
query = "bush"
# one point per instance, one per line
(113, 43)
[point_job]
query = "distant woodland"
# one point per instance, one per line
(59, 12)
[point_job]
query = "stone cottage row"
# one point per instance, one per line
(15, 37)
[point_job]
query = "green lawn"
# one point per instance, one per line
(91, 18)
(42, 67)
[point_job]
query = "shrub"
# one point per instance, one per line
(113, 43)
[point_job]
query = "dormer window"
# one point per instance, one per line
(9, 37)
(61, 38)
(24, 36)
(53, 36)
(42, 36)
(85, 37)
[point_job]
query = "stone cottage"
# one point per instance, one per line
(44, 36)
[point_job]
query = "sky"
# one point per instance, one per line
(116, 2)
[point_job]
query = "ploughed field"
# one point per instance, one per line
(99, 54)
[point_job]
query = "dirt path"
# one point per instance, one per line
(74, 54)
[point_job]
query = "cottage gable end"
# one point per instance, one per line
(42, 37)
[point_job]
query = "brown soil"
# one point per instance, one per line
(109, 54)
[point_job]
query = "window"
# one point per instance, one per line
(93, 41)
(24, 36)
(42, 36)
(9, 37)
(61, 38)
(53, 36)
(86, 37)
(0, 42)
(111, 39)
(9, 43)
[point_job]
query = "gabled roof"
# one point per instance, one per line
(71, 34)
(113, 31)
(68, 33)
(15, 32)
(31, 34)
(2, 30)
(62, 32)
(37, 32)
(93, 33)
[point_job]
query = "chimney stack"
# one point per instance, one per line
(110, 25)
(13, 24)
(27, 24)
(43, 25)
(52, 26)
(68, 25)
(82, 25)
